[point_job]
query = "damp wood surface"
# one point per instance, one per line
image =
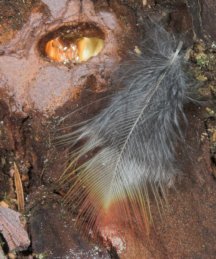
(35, 93)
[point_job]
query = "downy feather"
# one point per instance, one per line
(130, 144)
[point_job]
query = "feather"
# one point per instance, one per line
(126, 153)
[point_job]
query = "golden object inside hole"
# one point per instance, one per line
(79, 50)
